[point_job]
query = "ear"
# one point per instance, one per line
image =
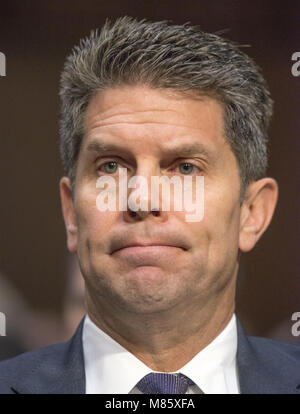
(68, 213)
(257, 211)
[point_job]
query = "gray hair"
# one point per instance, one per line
(177, 57)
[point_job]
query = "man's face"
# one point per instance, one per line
(193, 261)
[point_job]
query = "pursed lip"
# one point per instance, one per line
(157, 244)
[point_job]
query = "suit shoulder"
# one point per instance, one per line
(29, 362)
(55, 369)
(273, 350)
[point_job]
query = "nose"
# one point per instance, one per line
(143, 201)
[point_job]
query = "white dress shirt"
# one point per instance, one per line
(112, 369)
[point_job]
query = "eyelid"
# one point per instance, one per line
(184, 161)
(116, 159)
(105, 163)
(105, 160)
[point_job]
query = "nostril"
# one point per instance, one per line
(155, 212)
(132, 213)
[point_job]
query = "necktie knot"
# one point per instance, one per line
(161, 383)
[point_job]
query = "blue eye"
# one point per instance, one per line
(187, 168)
(110, 167)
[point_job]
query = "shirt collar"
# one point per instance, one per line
(213, 369)
(112, 369)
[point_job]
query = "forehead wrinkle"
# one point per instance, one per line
(96, 135)
(99, 124)
(93, 121)
(112, 118)
(137, 111)
(178, 149)
(106, 99)
(202, 149)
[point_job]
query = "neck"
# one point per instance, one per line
(166, 341)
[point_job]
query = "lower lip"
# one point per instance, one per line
(147, 255)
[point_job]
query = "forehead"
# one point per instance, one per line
(140, 114)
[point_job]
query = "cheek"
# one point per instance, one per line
(218, 232)
(226, 234)
(92, 238)
(93, 225)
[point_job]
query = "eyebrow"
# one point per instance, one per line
(183, 150)
(186, 150)
(99, 146)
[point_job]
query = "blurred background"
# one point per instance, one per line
(41, 290)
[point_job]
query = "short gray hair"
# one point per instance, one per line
(177, 57)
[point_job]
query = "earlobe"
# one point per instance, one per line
(257, 211)
(71, 229)
(68, 213)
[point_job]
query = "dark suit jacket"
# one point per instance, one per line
(264, 366)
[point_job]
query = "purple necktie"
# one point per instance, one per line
(160, 383)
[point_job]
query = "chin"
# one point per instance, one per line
(146, 305)
(149, 294)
